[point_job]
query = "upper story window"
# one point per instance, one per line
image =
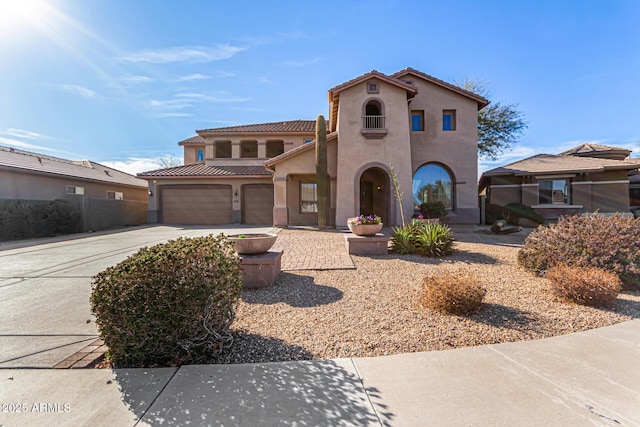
(448, 120)
(373, 87)
(115, 195)
(373, 115)
(554, 192)
(223, 149)
(274, 148)
(249, 149)
(200, 155)
(72, 189)
(417, 120)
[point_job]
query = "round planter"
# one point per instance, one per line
(365, 229)
(252, 244)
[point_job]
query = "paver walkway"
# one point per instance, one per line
(313, 250)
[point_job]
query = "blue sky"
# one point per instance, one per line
(122, 82)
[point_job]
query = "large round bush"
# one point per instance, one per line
(610, 243)
(169, 303)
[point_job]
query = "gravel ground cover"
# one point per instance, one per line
(374, 310)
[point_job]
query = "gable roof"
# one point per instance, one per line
(194, 140)
(482, 102)
(82, 169)
(550, 164)
(597, 150)
(291, 126)
(296, 151)
(201, 169)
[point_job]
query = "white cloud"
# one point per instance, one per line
(212, 98)
(136, 79)
(194, 77)
(26, 134)
(265, 80)
(134, 165)
(184, 53)
(77, 90)
(170, 115)
(15, 143)
(304, 63)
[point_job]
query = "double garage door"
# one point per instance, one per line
(212, 204)
(196, 205)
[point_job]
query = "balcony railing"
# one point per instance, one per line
(373, 122)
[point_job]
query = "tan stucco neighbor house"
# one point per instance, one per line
(586, 178)
(265, 173)
(105, 197)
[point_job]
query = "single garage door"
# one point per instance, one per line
(257, 204)
(197, 205)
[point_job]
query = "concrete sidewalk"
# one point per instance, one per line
(587, 378)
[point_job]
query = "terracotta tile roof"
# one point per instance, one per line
(194, 140)
(291, 126)
(201, 169)
(82, 169)
(482, 102)
(300, 149)
(372, 74)
(553, 164)
(597, 150)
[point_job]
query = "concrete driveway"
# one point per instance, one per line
(45, 287)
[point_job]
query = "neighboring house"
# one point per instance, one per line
(104, 196)
(424, 127)
(586, 178)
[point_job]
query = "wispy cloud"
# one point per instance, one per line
(77, 90)
(15, 143)
(224, 99)
(26, 134)
(303, 63)
(133, 80)
(285, 37)
(194, 77)
(134, 165)
(265, 80)
(198, 54)
(159, 115)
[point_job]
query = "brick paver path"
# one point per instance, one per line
(313, 250)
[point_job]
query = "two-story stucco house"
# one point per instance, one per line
(265, 173)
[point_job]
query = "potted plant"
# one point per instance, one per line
(365, 225)
(433, 211)
(252, 244)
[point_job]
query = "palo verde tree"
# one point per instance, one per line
(322, 176)
(500, 125)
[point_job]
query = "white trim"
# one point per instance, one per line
(504, 186)
(557, 206)
(530, 185)
(602, 182)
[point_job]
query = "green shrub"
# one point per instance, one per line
(425, 238)
(522, 211)
(611, 243)
(169, 303)
(433, 209)
(493, 213)
(452, 293)
(25, 219)
(586, 286)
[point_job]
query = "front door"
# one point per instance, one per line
(366, 198)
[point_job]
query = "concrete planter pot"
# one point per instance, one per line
(365, 229)
(252, 244)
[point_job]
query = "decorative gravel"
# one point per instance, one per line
(374, 310)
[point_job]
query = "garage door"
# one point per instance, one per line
(197, 205)
(257, 204)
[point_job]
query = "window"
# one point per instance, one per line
(306, 141)
(308, 197)
(75, 190)
(553, 192)
(200, 155)
(432, 183)
(372, 87)
(223, 149)
(115, 195)
(249, 149)
(409, 82)
(373, 116)
(274, 148)
(417, 120)
(448, 120)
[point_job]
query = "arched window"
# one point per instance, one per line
(373, 115)
(433, 183)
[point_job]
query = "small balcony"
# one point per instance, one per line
(374, 127)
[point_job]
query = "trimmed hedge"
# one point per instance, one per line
(26, 219)
(171, 303)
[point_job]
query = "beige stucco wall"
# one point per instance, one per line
(191, 153)
(356, 153)
(290, 141)
(30, 186)
(457, 149)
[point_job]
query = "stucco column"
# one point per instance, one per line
(210, 151)
(280, 211)
(235, 149)
(333, 185)
(262, 149)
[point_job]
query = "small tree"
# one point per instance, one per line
(397, 191)
(499, 125)
(169, 161)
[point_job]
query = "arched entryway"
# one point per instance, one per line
(374, 193)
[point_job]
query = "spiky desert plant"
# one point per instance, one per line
(322, 176)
